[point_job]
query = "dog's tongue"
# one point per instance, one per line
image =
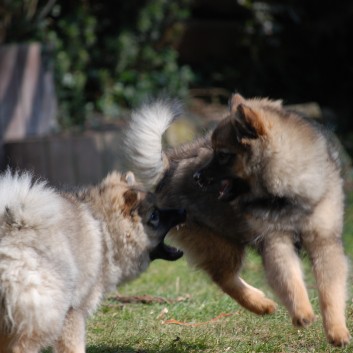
(225, 185)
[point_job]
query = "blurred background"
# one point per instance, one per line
(71, 71)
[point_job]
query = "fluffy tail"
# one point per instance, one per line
(27, 203)
(144, 139)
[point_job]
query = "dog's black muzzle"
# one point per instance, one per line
(201, 179)
(169, 218)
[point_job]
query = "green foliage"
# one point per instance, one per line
(74, 38)
(107, 63)
(108, 56)
(144, 61)
(21, 20)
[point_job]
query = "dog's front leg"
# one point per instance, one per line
(72, 339)
(284, 274)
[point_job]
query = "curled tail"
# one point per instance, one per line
(143, 140)
(27, 203)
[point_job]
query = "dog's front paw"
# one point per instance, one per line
(338, 336)
(266, 306)
(304, 319)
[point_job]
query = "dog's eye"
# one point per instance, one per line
(154, 219)
(223, 157)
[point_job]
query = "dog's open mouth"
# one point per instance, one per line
(230, 188)
(164, 251)
(225, 190)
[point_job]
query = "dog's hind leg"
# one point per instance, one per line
(247, 296)
(323, 242)
(226, 264)
(330, 270)
(284, 274)
(22, 344)
(4, 343)
(72, 338)
(222, 260)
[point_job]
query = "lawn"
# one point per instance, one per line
(188, 297)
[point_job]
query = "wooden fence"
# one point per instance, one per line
(28, 104)
(67, 160)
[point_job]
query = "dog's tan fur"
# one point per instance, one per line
(211, 238)
(60, 253)
(285, 158)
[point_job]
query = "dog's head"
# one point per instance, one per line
(133, 219)
(156, 222)
(238, 143)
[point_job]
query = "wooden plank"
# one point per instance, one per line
(69, 160)
(13, 155)
(61, 168)
(29, 154)
(28, 105)
(87, 159)
(114, 155)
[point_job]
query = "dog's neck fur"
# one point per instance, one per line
(108, 207)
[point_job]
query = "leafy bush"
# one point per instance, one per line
(144, 61)
(108, 56)
(23, 20)
(74, 38)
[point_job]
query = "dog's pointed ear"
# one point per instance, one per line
(130, 178)
(247, 123)
(235, 100)
(131, 198)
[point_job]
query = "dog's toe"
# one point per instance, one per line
(270, 307)
(338, 336)
(303, 320)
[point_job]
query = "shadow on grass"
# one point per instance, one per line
(174, 347)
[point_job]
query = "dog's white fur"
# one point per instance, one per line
(59, 254)
(143, 138)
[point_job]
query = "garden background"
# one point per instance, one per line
(96, 60)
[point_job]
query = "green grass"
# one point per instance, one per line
(137, 328)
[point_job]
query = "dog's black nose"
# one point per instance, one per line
(199, 178)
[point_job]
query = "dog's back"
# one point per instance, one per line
(61, 252)
(38, 271)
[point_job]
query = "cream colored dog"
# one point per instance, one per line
(60, 253)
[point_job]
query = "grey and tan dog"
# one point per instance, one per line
(268, 178)
(61, 252)
(292, 171)
(212, 237)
